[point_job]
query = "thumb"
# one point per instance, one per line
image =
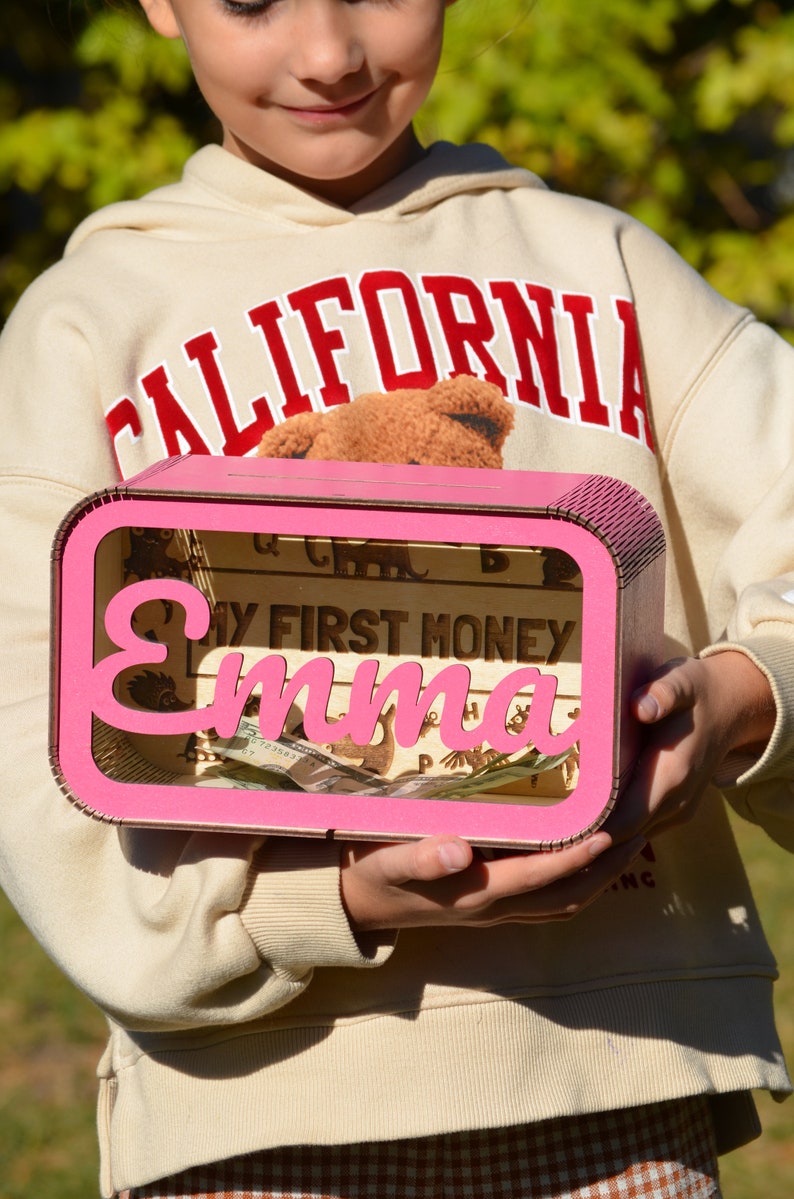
(669, 691)
(417, 861)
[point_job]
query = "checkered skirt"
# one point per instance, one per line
(662, 1151)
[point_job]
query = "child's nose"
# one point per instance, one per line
(327, 44)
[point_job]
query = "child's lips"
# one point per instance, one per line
(328, 113)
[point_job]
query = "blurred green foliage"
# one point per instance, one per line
(93, 108)
(679, 111)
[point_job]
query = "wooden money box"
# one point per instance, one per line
(354, 650)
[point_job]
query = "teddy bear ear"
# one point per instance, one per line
(478, 405)
(291, 439)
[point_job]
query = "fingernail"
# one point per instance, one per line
(453, 856)
(647, 708)
(598, 843)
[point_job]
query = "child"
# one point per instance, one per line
(409, 1019)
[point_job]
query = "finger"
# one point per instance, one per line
(672, 689)
(486, 883)
(400, 885)
(522, 873)
(567, 897)
(634, 809)
(434, 858)
(573, 895)
(426, 860)
(662, 792)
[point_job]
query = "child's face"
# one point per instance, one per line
(320, 92)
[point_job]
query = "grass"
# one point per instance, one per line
(51, 1038)
(765, 1168)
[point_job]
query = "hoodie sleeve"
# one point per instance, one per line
(722, 393)
(162, 929)
(732, 458)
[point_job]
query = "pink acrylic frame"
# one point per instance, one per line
(491, 823)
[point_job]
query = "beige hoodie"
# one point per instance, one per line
(243, 1011)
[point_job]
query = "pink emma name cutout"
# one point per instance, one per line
(267, 644)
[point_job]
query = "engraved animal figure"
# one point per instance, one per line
(198, 748)
(149, 557)
(375, 758)
(157, 692)
(559, 569)
(391, 559)
(519, 720)
(429, 722)
(475, 758)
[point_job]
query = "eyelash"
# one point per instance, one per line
(257, 8)
(254, 9)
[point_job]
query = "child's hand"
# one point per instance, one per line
(443, 881)
(698, 710)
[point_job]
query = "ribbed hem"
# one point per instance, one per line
(294, 914)
(487, 1064)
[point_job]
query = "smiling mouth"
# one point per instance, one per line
(322, 113)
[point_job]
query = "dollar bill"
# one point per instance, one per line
(290, 764)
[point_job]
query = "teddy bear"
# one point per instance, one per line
(461, 421)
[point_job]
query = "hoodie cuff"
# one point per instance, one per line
(294, 914)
